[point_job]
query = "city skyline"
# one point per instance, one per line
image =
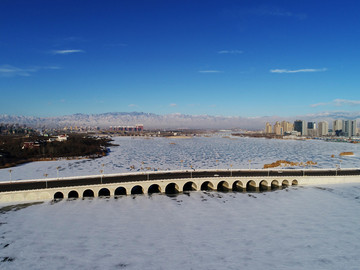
(339, 127)
(229, 58)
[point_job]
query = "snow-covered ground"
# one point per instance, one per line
(296, 228)
(200, 153)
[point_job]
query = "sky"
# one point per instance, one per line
(231, 58)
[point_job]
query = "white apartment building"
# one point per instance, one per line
(337, 125)
(323, 128)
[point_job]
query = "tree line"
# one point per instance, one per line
(13, 152)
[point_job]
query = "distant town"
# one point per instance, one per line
(280, 129)
(18, 129)
(300, 128)
(119, 130)
(20, 143)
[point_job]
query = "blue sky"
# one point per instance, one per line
(232, 58)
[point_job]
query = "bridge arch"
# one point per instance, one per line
(223, 186)
(189, 186)
(251, 186)
(285, 183)
(275, 184)
(154, 188)
(237, 186)
(137, 190)
(104, 192)
(263, 185)
(120, 191)
(172, 188)
(294, 182)
(73, 194)
(88, 194)
(58, 195)
(207, 185)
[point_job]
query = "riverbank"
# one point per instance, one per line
(140, 155)
(16, 150)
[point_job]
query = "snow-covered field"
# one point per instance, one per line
(296, 228)
(200, 153)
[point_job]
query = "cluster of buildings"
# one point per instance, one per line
(38, 143)
(136, 128)
(343, 128)
(280, 128)
(80, 129)
(11, 129)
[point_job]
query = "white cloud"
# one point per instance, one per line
(342, 102)
(67, 51)
(132, 105)
(210, 71)
(11, 71)
(51, 67)
(338, 103)
(298, 70)
(276, 12)
(172, 104)
(319, 104)
(230, 52)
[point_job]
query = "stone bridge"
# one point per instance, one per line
(169, 182)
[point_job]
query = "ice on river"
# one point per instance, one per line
(296, 228)
(198, 153)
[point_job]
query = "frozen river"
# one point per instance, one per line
(139, 154)
(294, 228)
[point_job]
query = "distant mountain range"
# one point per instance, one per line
(168, 121)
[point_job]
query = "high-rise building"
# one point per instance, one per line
(311, 129)
(345, 130)
(311, 125)
(278, 130)
(287, 126)
(268, 128)
(337, 126)
(349, 128)
(323, 128)
(300, 126)
(354, 131)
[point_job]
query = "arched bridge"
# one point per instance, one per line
(169, 182)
